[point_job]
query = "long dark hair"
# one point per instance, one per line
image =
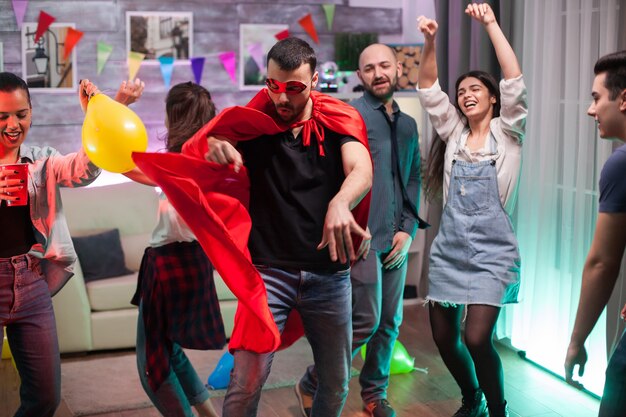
(188, 107)
(433, 168)
(10, 82)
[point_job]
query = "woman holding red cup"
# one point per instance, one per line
(36, 252)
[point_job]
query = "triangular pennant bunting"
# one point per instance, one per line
(19, 8)
(197, 66)
(307, 23)
(72, 38)
(256, 52)
(103, 54)
(228, 61)
(282, 35)
(134, 62)
(167, 67)
(45, 20)
(329, 11)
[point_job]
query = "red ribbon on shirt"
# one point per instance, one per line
(213, 200)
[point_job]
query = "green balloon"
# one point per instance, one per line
(401, 362)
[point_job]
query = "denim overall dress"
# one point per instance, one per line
(474, 259)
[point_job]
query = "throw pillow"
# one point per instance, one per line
(101, 255)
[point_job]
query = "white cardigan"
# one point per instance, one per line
(508, 131)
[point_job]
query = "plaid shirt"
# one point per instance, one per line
(179, 304)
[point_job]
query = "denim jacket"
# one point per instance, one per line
(48, 170)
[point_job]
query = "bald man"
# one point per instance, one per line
(379, 275)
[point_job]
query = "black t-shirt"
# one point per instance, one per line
(290, 188)
(15, 223)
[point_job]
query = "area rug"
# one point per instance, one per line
(105, 383)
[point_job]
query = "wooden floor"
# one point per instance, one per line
(529, 390)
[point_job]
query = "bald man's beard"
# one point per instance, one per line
(384, 93)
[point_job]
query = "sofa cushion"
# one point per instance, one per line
(101, 255)
(115, 329)
(112, 293)
(223, 292)
(134, 246)
(130, 207)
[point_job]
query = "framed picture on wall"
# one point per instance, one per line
(1, 58)
(409, 55)
(254, 43)
(160, 34)
(44, 66)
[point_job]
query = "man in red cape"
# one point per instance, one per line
(290, 137)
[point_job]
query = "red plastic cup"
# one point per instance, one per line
(20, 171)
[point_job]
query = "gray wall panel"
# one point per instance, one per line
(101, 15)
(57, 116)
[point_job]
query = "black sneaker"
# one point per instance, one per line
(503, 411)
(305, 400)
(380, 408)
(475, 406)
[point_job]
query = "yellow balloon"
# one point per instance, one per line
(111, 133)
(6, 350)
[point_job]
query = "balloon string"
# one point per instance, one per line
(422, 370)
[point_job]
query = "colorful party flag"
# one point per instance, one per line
(45, 20)
(256, 52)
(167, 67)
(228, 61)
(19, 8)
(71, 39)
(329, 11)
(284, 34)
(103, 54)
(197, 66)
(134, 62)
(307, 23)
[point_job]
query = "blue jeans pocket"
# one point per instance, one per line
(29, 275)
(472, 194)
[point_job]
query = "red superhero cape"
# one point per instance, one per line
(213, 200)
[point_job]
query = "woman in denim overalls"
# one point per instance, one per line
(474, 264)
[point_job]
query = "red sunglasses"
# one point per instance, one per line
(290, 87)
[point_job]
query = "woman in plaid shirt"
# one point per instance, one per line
(178, 305)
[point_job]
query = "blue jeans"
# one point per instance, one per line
(181, 390)
(614, 397)
(376, 317)
(324, 302)
(26, 311)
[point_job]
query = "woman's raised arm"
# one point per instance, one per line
(483, 13)
(427, 74)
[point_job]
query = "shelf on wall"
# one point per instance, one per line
(352, 96)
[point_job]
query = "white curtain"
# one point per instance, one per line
(558, 195)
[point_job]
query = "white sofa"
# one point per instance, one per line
(98, 315)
